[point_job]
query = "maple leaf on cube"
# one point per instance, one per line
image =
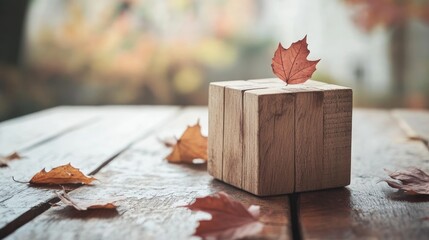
(291, 64)
(230, 218)
(65, 174)
(191, 145)
(83, 205)
(412, 181)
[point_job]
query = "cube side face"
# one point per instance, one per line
(216, 126)
(233, 134)
(276, 144)
(215, 137)
(337, 131)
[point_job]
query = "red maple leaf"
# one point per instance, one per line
(230, 219)
(291, 64)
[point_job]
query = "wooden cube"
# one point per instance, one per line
(269, 139)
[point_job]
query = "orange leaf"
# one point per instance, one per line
(65, 174)
(191, 145)
(83, 205)
(4, 160)
(412, 181)
(291, 64)
(230, 219)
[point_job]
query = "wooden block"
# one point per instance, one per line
(216, 120)
(233, 133)
(280, 139)
(268, 166)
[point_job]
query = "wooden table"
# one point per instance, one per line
(120, 146)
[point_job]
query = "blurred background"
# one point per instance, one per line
(78, 52)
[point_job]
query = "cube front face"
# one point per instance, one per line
(269, 139)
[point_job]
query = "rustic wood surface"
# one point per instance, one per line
(87, 148)
(152, 192)
(121, 146)
(415, 123)
(368, 208)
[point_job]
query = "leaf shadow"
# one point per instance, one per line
(401, 196)
(72, 213)
(195, 166)
(67, 187)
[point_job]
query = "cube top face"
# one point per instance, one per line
(268, 138)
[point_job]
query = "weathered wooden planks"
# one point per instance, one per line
(368, 209)
(414, 122)
(87, 148)
(153, 191)
(23, 132)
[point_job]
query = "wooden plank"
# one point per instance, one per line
(368, 209)
(233, 133)
(27, 131)
(269, 147)
(216, 113)
(308, 140)
(414, 122)
(87, 148)
(153, 191)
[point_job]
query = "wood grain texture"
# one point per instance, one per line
(27, 131)
(216, 113)
(414, 122)
(152, 191)
(337, 136)
(233, 133)
(87, 148)
(268, 166)
(308, 140)
(368, 209)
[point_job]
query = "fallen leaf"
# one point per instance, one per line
(191, 145)
(412, 181)
(291, 64)
(65, 174)
(4, 160)
(83, 205)
(230, 219)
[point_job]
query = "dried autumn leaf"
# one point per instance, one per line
(83, 205)
(291, 64)
(412, 181)
(191, 145)
(65, 174)
(230, 219)
(4, 160)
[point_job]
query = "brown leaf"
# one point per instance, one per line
(191, 145)
(230, 219)
(83, 205)
(412, 181)
(4, 160)
(291, 64)
(65, 174)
